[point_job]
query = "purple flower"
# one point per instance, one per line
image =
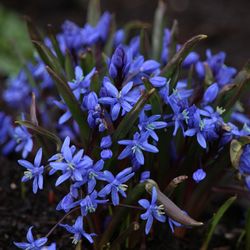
(106, 142)
(149, 124)
(119, 100)
(136, 147)
(32, 244)
(22, 141)
(90, 203)
(199, 175)
(119, 65)
(34, 171)
(118, 37)
(80, 85)
(106, 154)
(67, 115)
(116, 184)
(5, 126)
(152, 211)
(92, 173)
(72, 165)
(78, 231)
(211, 93)
(145, 175)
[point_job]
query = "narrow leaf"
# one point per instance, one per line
(94, 12)
(55, 44)
(216, 219)
(72, 104)
(42, 132)
(158, 30)
(173, 40)
(69, 68)
(179, 57)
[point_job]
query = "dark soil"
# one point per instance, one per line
(20, 208)
(225, 22)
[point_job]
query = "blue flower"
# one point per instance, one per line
(152, 211)
(17, 93)
(211, 93)
(244, 164)
(90, 202)
(92, 173)
(32, 244)
(78, 231)
(204, 129)
(67, 115)
(72, 35)
(149, 124)
(71, 165)
(118, 37)
(136, 146)
(103, 26)
(247, 181)
(50, 247)
(124, 99)
(106, 142)
(34, 171)
(179, 106)
(116, 184)
(5, 126)
(106, 154)
(199, 175)
(119, 65)
(145, 175)
(80, 85)
(158, 81)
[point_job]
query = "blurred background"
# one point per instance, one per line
(226, 22)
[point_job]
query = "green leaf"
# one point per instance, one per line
(55, 44)
(179, 57)
(129, 119)
(173, 40)
(134, 25)
(69, 67)
(49, 59)
(109, 44)
(14, 38)
(94, 12)
(42, 132)
(231, 93)
(144, 43)
(216, 219)
(87, 61)
(73, 105)
(158, 28)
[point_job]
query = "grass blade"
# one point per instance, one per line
(216, 219)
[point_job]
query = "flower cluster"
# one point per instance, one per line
(112, 112)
